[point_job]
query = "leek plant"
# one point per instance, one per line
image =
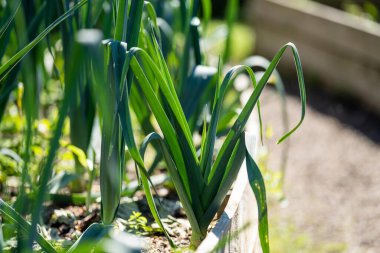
(179, 35)
(132, 71)
(82, 108)
(201, 182)
(8, 72)
(23, 22)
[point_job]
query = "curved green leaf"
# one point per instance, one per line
(174, 175)
(207, 153)
(10, 214)
(90, 238)
(13, 9)
(257, 184)
(4, 69)
(242, 119)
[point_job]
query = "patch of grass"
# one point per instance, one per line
(287, 238)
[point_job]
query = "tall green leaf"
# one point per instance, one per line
(232, 11)
(11, 215)
(112, 149)
(4, 69)
(54, 145)
(13, 8)
(257, 184)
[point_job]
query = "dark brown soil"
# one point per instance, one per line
(69, 222)
(179, 230)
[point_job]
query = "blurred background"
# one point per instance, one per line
(324, 184)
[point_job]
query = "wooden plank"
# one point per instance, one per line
(240, 211)
(340, 51)
(322, 24)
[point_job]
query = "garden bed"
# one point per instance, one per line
(236, 229)
(338, 49)
(145, 81)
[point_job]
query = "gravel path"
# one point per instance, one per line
(332, 183)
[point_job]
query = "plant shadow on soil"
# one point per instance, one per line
(343, 107)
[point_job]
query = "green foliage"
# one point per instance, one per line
(6, 68)
(151, 79)
(90, 239)
(368, 9)
(287, 238)
(11, 215)
(138, 224)
(203, 194)
(8, 167)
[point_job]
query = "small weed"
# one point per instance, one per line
(138, 224)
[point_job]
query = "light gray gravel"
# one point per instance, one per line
(333, 176)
